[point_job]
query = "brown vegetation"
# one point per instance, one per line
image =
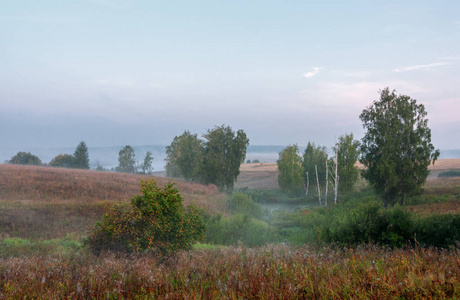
(271, 272)
(43, 202)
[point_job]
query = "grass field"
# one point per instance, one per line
(45, 214)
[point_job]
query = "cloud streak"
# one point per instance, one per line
(420, 67)
(312, 73)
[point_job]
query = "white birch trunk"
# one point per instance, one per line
(336, 177)
(317, 182)
(325, 194)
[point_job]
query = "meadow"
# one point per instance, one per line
(45, 214)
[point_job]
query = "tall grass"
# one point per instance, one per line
(270, 272)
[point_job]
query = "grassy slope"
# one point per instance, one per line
(45, 203)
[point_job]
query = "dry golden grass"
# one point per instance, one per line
(265, 175)
(46, 203)
(258, 176)
(38, 184)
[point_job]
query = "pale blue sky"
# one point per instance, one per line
(141, 72)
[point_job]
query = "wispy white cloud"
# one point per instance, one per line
(312, 73)
(420, 67)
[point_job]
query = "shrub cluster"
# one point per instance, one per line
(155, 221)
(364, 220)
(244, 226)
(450, 173)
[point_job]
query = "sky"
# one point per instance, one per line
(113, 72)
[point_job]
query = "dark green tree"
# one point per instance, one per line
(63, 161)
(146, 166)
(223, 154)
(25, 158)
(126, 162)
(314, 155)
(81, 156)
(290, 169)
(184, 156)
(396, 148)
(347, 156)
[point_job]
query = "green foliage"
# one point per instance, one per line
(223, 154)
(184, 156)
(81, 156)
(239, 228)
(315, 156)
(438, 230)
(290, 170)
(216, 160)
(450, 173)
(352, 223)
(146, 166)
(25, 158)
(347, 156)
(126, 162)
(155, 220)
(63, 161)
(396, 149)
(242, 203)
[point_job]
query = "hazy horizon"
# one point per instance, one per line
(108, 156)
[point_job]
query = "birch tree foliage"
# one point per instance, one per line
(184, 156)
(290, 169)
(126, 161)
(396, 148)
(223, 153)
(315, 155)
(347, 156)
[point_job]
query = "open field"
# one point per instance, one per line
(265, 175)
(258, 176)
(45, 213)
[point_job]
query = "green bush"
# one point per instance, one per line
(25, 158)
(450, 173)
(236, 229)
(155, 221)
(348, 224)
(241, 203)
(63, 161)
(438, 230)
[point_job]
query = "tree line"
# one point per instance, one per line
(79, 160)
(215, 159)
(395, 151)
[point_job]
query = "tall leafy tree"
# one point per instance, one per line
(81, 156)
(290, 169)
(315, 156)
(223, 154)
(126, 162)
(396, 148)
(347, 156)
(146, 166)
(183, 156)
